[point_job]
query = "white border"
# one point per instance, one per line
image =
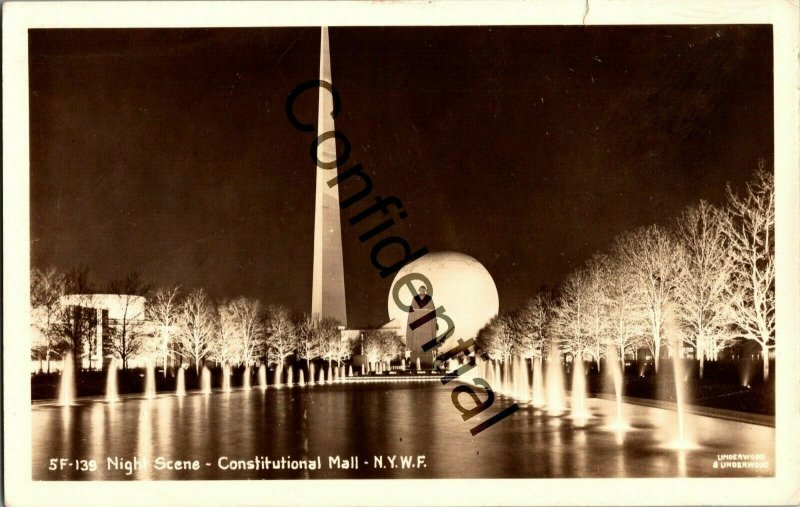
(20, 490)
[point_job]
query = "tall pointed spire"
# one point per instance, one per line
(327, 295)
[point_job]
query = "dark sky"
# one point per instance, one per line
(169, 152)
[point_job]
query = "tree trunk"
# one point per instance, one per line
(656, 350)
(702, 363)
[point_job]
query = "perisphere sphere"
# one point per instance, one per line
(459, 284)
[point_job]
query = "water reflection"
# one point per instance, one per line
(369, 419)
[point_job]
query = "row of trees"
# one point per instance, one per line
(706, 281)
(173, 326)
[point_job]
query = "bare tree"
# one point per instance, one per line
(128, 329)
(309, 345)
(571, 315)
(249, 326)
(381, 345)
(627, 322)
(533, 320)
(496, 338)
(705, 304)
(653, 257)
(47, 287)
(224, 344)
(750, 229)
(596, 296)
(163, 311)
(196, 327)
(280, 336)
(78, 322)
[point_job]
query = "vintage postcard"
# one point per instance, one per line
(400, 253)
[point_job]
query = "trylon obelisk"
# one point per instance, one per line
(327, 295)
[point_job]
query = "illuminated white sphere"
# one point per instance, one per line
(458, 283)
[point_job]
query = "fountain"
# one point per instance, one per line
(321, 378)
(290, 377)
(419, 364)
(538, 383)
(66, 391)
(246, 377)
(350, 370)
(579, 410)
(150, 380)
(498, 376)
(180, 388)
(301, 378)
(523, 384)
(205, 381)
(262, 377)
(112, 395)
(278, 375)
(341, 373)
(226, 377)
(555, 384)
(403, 364)
(682, 441)
(616, 375)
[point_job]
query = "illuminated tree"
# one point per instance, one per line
(497, 338)
(280, 334)
(653, 257)
(626, 319)
(77, 323)
(705, 304)
(381, 345)
(223, 346)
(128, 329)
(532, 322)
(570, 323)
(197, 327)
(244, 315)
(163, 311)
(750, 229)
(47, 287)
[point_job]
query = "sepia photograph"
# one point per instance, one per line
(306, 251)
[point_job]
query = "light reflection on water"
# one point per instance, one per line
(366, 420)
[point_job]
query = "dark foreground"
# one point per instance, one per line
(415, 424)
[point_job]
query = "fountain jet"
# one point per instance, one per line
(112, 394)
(226, 377)
(579, 410)
(538, 383)
(350, 370)
(246, 377)
(180, 389)
(682, 441)
(555, 384)
(278, 375)
(290, 376)
(205, 381)
(301, 378)
(262, 376)
(150, 380)
(66, 391)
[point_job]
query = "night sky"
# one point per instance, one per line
(169, 152)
